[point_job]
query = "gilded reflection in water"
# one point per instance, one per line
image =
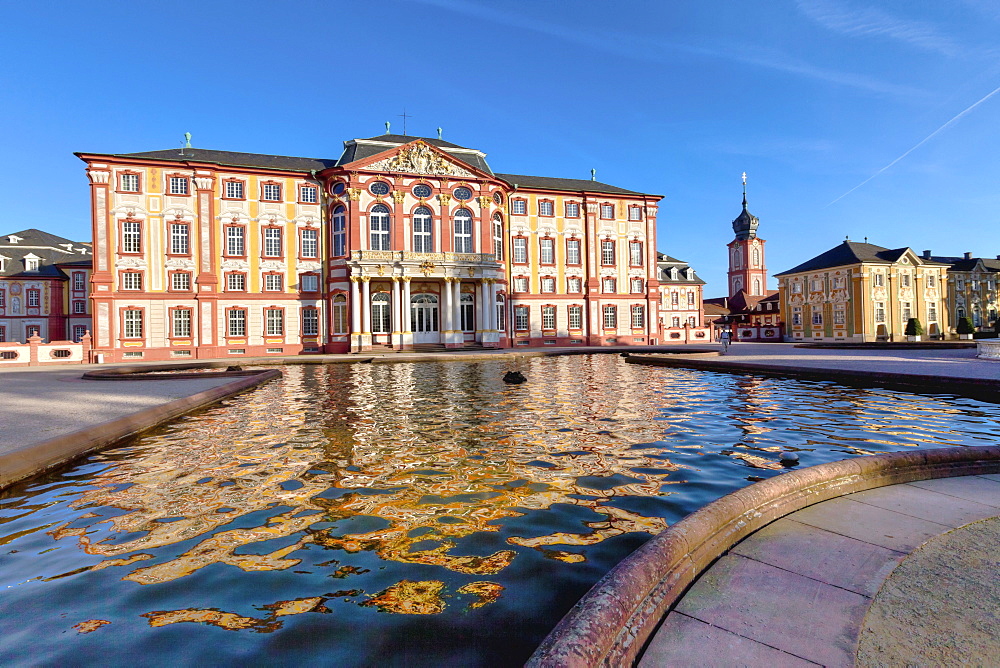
(407, 513)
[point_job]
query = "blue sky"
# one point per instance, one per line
(810, 97)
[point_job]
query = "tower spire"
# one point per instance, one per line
(744, 191)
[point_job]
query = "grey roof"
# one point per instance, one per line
(665, 263)
(963, 264)
(847, 253)
(663, 257)
(49, 248)
(745, 224)
(570, 185)
(360, 149)
(230, 159)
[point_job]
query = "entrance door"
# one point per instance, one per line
(424, 318)
(468, 311)
(381, 319)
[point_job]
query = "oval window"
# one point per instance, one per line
(422, 190)
(338, 188)
(379, 188)
(498, 198)
(463, 193)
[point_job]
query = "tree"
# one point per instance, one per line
(965, 326)
(913, 327)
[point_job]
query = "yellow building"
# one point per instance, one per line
(863, 292)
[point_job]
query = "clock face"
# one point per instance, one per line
(422, 191)
(463, 193)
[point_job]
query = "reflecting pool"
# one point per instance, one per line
(406, 514)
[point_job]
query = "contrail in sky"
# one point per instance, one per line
(921, 143)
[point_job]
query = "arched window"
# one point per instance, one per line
(737, 285)
(756, 285)
(977, 318)
(737, 261)
(468, 311)
(379, 222)
(463, 231)
(756, 257)
(339, 232)
(381, 322)
(339, 314)
(501, 313)
(423, 241)
(959, 313)
(497, 237)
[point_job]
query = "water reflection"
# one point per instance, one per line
(427, 512)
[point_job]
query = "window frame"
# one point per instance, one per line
(338, 231)
(234, 274)
(518, 206)
(574, 312)
(574, 247)
(546, 208)
(635, 249)
(519, 243)
(383, 214)
(566, 209)
(306, 244)
(236, 182)
(639, 309)
(310, 275)
(265, 185)
(269, 234)
(127, 275)
(179, 178)
(547, 246)
(463, 242)
(278, 315)
(425, 237)
(243, 323)
(603, 210)
(174, 311)
(609, 314)
(548, 315)
(303, 187)
(126, 236)
(120, 185)
(173, 227)
(138, 316)
(170, 280)
(522, 313)
(607, 247)
(227, 229)
(271, 278)
(309, 315)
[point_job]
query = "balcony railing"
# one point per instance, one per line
(436, 258)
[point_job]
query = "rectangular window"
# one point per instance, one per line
(272, 282)
(839, 317)
(180, 322)
(235, 241)
(309, 283)
(520, 250)
(547, 251)
(636, 285)
(521, 318)
(79, 306)
(339, 314)
(635, 213)
(78, 333)
(932, 312)
(234, 190)
(179, 239)
(691, 299)
(548, 284)
(675, 299)
(572, 251)
(178, 185)
(638, 316)
(3, 299)
(236, 322)
(879, 312)
(498, 241)
(310, 322)
(131, 237)
(608, 286)
(34, 297)
(635, 253)
(518, 207)
(271, 192)
(932, 281)
(274, 319)
(607, 211)
(817, 317)
(236, 282)
(548, 317)
(79, 280)
(272, 242)
(339, 232)
(607, 252)
(904, 280)
(693, 321)
(180, 280)
(574, 284)
(878, 280)
(572, 210)
(959, 284)
(796, 288)
(575, 317)
(130, 183)
(520, 284)
(906, 312)
(817, 285)
(133, 324)
(308, 194)
(310, 243)
(546, 208)
(797, 315)
(610, 317)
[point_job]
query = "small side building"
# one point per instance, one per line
(682, 313)
(862, 292)
(972, 289)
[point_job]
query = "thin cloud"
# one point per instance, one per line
(630, 46)
(869, 22)
(923, 141)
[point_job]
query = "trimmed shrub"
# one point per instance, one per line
(965, 326)
(913, 327)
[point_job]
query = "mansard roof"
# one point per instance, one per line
(848, 253)
(967, 264)
(360, 149)
(229, 159)
(50, 249)
(686, 275)
(566, 185)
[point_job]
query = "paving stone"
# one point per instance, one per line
(869, 523)
(991, 476)
(971, 487)
(926, 504)
(821, 555)
(685, 641)
(787, 611)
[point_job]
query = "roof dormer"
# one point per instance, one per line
(13, 238)
(31, 262)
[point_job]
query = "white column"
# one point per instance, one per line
(494, 318)
(355, 306)
(366, 307)
(407, 325)
(485, 320)
(457, 305)
(446, 307)
(397, 318)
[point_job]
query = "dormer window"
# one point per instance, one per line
(13, 238)
(31, 263)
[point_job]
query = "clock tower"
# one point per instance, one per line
(747, 270)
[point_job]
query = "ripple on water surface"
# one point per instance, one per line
(424, 514)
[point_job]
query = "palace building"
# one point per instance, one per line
(402, 243)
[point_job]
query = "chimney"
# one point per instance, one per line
(968, 255)
(927, 255)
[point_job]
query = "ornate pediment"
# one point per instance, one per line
(419, 158)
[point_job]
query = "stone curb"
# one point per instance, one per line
(610, 625)
(981, 388)
(39, 457)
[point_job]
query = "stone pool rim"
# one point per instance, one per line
(611, 624)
